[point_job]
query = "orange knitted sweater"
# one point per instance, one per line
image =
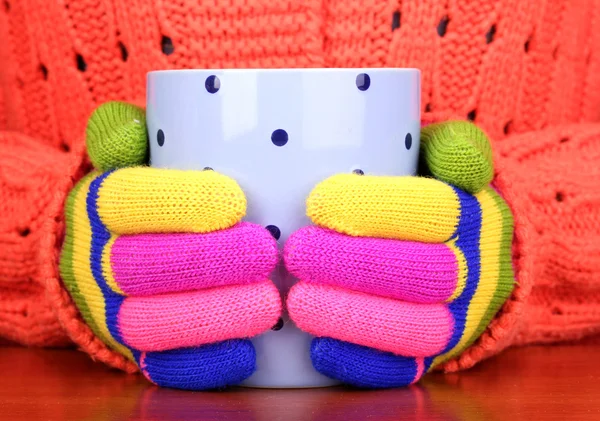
(528, 72)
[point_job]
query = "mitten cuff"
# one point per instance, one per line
(62, 180)
(501, 332)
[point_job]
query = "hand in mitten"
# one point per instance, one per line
(400, 274)
(159, 264)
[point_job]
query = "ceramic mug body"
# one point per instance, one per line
(279, 133)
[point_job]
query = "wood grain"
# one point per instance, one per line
(535, 383)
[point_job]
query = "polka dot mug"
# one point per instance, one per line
(279, 133)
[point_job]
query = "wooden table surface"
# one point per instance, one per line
(535, 383)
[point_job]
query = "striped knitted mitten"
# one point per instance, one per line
(159, 264)
(403, 273)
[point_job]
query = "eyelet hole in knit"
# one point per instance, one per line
(555, 53)
(81, 64)
(363, 81)
(160, 137)
(489, 37)
(123, 50)
(65, 147)
(408, 141)
(472, 115)
(44, 71)
(427, 108)
(396, 20)
(564, 140)
(443, 26)
(279, 137)
(508, 127)
(6, 6)
(274, 230)
(527, 44)
(166, 45)
(24, 232)
(560, 197)
(557, 311)
(358, 171)
(212, 84)
(278, 325)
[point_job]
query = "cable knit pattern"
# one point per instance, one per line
(533, 84)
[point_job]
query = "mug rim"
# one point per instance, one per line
(289, 70)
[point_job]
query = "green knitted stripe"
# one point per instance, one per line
(116, 136)
(66, 260)
(458, 153)
(506, 274)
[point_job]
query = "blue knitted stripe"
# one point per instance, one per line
(367, 367)
(206, 367)
(468, 233)
(100, 237)
(361, 366)
(427, 362)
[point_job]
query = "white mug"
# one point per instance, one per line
(279, 133)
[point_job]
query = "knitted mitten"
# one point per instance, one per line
(159, 264)
(403, 273)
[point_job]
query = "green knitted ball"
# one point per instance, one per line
(458, 153)
(116, 136)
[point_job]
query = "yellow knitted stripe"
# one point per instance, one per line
(141, 200)
(107, 266)
(83, 277)
(462, 270)
(489, 245)
(404, 208)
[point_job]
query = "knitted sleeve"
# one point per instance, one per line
(34, 180)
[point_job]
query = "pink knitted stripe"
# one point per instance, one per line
(142, 365)
(408, 329)
(410, 271)
(195, 318)
(420, 368)
(151, 264)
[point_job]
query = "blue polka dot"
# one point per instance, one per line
(160, 137)
(279, 137)
(408, 141)
(212, 84)
(278, 325)
(274, 230)
(363, 81)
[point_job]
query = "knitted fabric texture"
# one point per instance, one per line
(139, 315)
(127, 124)
(415, 209)
(458, 153)
(527, 72)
